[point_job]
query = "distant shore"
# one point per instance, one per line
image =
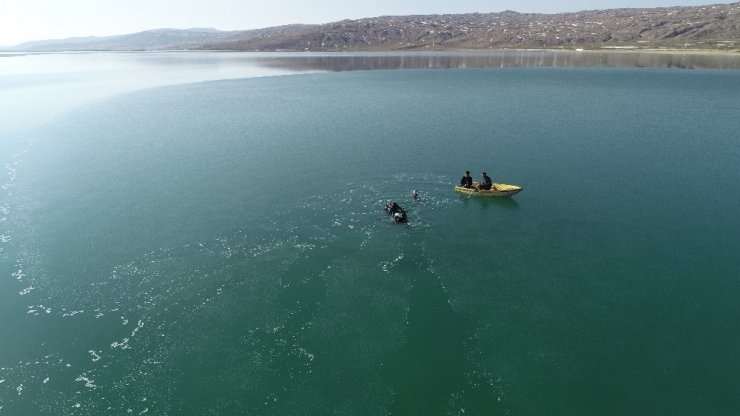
(702, 51)
(722, 52)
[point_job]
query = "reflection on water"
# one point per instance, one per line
(497, 59)
(37, 87)
(485, 202)
(234, 64)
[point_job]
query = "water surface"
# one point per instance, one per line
(221, 247)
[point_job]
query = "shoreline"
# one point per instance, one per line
(615, 50)
(417, 59)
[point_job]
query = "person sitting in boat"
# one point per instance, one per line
(467, 180)
(485, 182)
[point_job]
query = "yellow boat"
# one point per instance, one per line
(498, 189)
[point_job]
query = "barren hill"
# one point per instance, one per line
(701, 27)
(713, 27)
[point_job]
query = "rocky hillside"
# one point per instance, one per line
(702, 27)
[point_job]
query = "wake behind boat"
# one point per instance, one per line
(498, 189)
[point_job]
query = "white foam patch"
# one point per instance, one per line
(305, 246)
(36, 309)
(18, 275)
(139, 325)
(71, 313)
(89, 383)
(386, 266)
(122, 344)
(306, 354)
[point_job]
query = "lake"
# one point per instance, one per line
(204, 233)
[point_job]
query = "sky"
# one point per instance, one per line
(26, 20)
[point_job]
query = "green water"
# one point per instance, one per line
(221, 248)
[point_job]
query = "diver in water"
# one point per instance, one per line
(396, 212)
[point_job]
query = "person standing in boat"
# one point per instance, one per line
(467, 180)
(485, 182)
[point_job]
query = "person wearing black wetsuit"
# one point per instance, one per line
(396, 212)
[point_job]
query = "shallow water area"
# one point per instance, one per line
(221, 247)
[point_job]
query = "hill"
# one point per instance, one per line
(701, 27)
(710, 27)
(158, 39)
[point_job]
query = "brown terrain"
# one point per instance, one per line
(713, 27)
